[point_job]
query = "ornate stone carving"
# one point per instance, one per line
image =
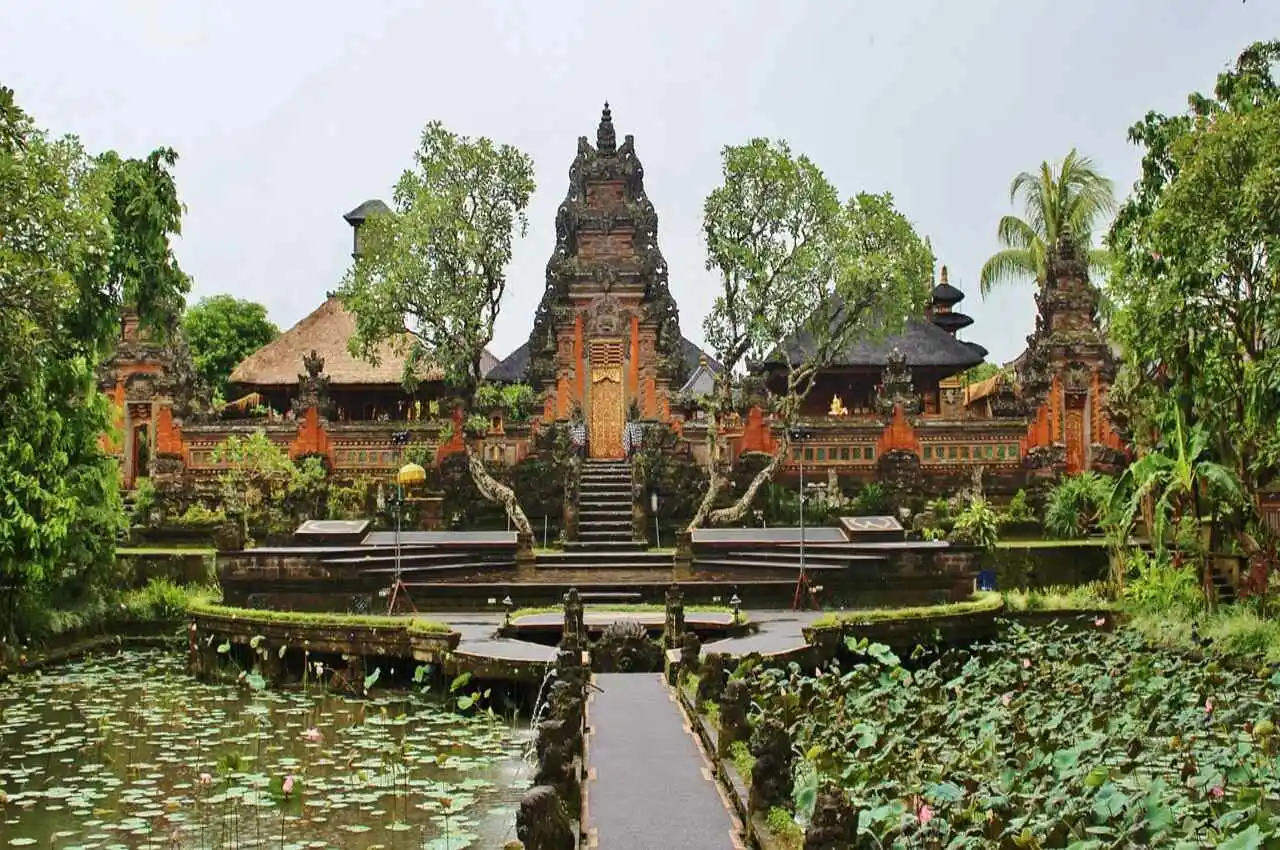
(691, 652)
(734, 705)
(771, 773)
(1004, 399)
(834, 825)
(625, 648)
(1076, 379)
(673, 633)
(605, 316)
(714, 677)
(575, 630)
(897, 388)
(607, 162)
(543, 823)
(313, 387)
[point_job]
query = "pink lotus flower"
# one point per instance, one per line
(1026, 664)
(287, 786)
(925, 814)
(1100, 621)
(1006, 699)
(1216, 792)
(313, 735)
(1208, 706)
(206, 779)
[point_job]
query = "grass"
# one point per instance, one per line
(1093, 542)
(742, 760)
(629, 608)
(784, 828)
(1085, 597)
(307, 618)
(165, 550)
(1236, 632)
(979, 603)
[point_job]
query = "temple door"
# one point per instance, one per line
(606, 399)
(1075, 437)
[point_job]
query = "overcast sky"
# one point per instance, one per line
(288, 114)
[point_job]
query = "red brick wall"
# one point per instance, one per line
(605, 246)
(605, 196)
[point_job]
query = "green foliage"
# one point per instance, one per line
(743, 761)
(198, 515)
(1018, 509)
(1077, 504)
(981, 603)
(977, 525)
(264, 489)
(981, 372)
(161, 601)
(1157, 586)
(1005, 744)
(873, 500)
(783, 827)
(223, 330)
(517, 402)
(795, 262)
(307, 618)
(1069, 200)
(1090, 597)
(353, 500)
(1195, 283)
(144, 499)
(1178, 480)
(82, 236)
(431, 273)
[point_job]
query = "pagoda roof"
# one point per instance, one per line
(326, 331)
(513, 367)
(924, 344)
(370, 207)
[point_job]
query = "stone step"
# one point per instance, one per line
(621, 522)
(571, 557)
(579, 545)
(585, 505)
(702, 563)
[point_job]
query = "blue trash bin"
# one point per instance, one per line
(986, 580)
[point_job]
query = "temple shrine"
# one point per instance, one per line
(606, 345)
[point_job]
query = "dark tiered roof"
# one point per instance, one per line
(923, 343)
(512, 368)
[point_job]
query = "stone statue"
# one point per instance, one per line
(834, 825)
(734, 704)
(673, 633)
(837, 407)
(771, 773)
(625, 648)
(897, 387)
(691, 652)
(542, 822)
(714, 677)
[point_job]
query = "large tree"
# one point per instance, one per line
(79, 237)
(222, 330)
(802, 275)
(1069, 198)
(431, 273)
(1195, 283)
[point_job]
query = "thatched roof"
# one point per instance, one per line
(514, 366)
(326, 331)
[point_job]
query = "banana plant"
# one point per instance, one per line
(1177, 478)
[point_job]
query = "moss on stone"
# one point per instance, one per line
(412, 625)
(984, 602)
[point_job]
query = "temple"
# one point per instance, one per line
(606, 343)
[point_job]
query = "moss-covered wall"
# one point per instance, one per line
(1043, 564)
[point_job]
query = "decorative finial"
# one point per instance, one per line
(606, 140)
(944, 275)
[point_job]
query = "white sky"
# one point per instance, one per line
(288, 114)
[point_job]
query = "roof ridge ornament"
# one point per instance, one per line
(606, 139)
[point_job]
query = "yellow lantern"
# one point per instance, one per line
(411, 474)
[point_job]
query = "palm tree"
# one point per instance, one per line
(1068, 201)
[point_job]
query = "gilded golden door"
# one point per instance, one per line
(606, 399)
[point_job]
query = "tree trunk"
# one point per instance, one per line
(495, 491)
(715, 480)
(738, 510)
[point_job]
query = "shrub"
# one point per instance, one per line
(1076, 505)
(873, 500)
(1018, 509)
(977, 525)
(1158, 587)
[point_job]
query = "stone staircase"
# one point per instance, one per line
(604, 504)
(605, 541)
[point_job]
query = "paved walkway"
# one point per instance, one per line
(780, 632)
(649, 785)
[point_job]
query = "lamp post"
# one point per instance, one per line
(408, 474)
(508, 605)
(653, 508)
(737, 608)
(801, 435)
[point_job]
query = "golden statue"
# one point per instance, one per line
(837, 407)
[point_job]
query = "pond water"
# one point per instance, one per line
(128, 751)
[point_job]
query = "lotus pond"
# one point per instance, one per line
(129, 751)
(1050, 736)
